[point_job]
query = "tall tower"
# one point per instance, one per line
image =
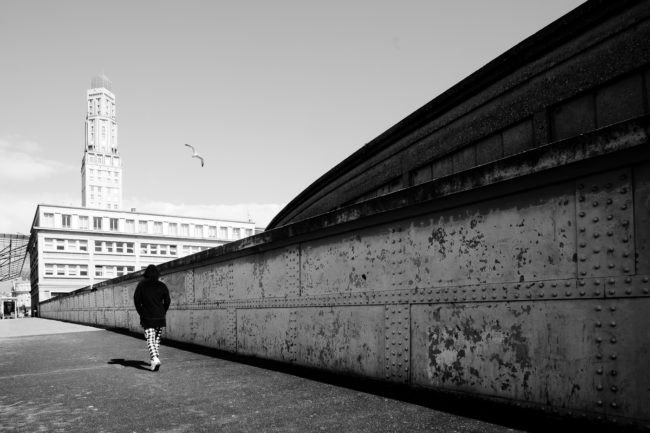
(101, 167)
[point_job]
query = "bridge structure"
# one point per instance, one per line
(494, 243)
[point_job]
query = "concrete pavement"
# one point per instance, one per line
(61, 377)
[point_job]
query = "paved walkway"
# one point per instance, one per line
(61, 377)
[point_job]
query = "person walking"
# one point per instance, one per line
(151, 300)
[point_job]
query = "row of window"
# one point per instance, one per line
(149, 227)
(104, 159)
(103, 271)
(114, 247)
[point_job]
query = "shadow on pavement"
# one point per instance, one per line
(140, 365)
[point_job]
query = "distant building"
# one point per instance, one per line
(21, 293)
(74, 247)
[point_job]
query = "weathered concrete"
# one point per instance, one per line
(90, 380)
(521, 278)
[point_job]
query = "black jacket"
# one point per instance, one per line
(151, 300)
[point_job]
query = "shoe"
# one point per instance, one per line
(155, 364)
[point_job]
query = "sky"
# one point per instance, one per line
(272, 94)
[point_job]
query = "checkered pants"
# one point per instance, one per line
(152, 335)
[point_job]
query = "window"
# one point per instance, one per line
(83, 245)
(144, 249)
(72, 271)
(60, 245)
(223, 232)
(142, 227)
(198, 231)
(173, 229)
(212, 231)
(48, 220)
(119, 248)
(60, 270)
(130, 226)
(236, 233)
(48, 244)
(99, 271)
(83, 270)
(129, 247)
(109, 247)
(98, 246)
(49, 270)
(153, 249)
(185, 229)
(83, 222)
(113, 222)
(172, 250)
(97, 223)
(157, 228)
(66, 221)
(249, 232)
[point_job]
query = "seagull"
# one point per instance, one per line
(196, 155)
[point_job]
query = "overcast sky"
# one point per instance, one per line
(273, 93)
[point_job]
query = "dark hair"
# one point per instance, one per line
(151, 273)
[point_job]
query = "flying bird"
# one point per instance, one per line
(196, 155)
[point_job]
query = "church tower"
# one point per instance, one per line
(101, 167)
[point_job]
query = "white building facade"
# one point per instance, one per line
(75, 247)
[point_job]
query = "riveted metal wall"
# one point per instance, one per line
(539, 297)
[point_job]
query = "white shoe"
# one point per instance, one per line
(155, 364)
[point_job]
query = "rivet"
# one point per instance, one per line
(628, 291)
(595, 204)
(597, 293)
(646, 290)
(599, 403)
(541, 294)
(624, 240)
(599, 356)
(613, 340)
(628, 280)
(554, 295)
(614, 404)
(613, 356)
(583, 273)
(623, 207)
(626, 269)
(609, 201)
(596, 282)
(596, 266)
(599, 340)
(582, 229)
(541, 284)
(599, 387)
(582, 292)
(568, 293)
(623, 190)
(598, 308)
(612, 308)
(610, 217)
(614, 373)
(596, 219)
(598, 324)
(596, 250)
(611, 266)
(645, 279)
(599, 371)
(612, 292)
(613, 324)
(611, 281)
(582, 283)
(567, 284)
(596, 235)
(582, 214)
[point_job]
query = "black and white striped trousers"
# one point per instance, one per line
(152, 335)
